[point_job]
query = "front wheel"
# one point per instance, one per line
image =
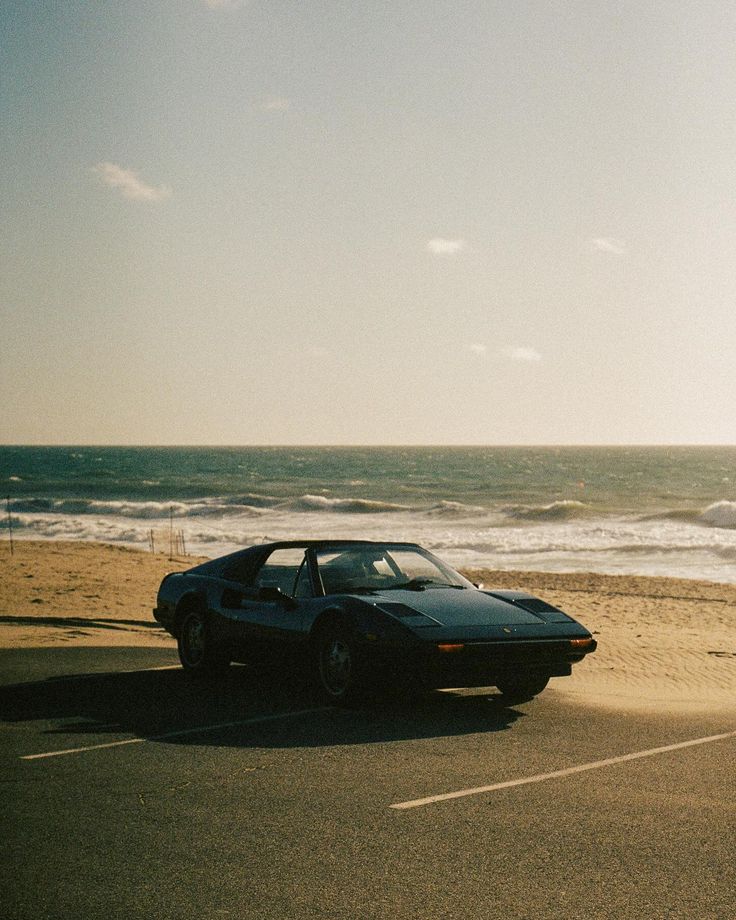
(339, 666)
(197, 652)
(520, 689)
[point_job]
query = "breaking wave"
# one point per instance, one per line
(455, 509)
(688, 516)
(128, 509)
(253, 500)
(565, 510)
(340, 505)
(720, 514)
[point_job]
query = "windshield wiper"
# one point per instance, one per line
(414, 584)
(419, 584)
(356, 589)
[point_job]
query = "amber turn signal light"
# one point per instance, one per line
(450, 647)
(580, 643)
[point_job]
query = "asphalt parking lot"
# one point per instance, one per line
(132, 791)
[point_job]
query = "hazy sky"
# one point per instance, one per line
(368, 221)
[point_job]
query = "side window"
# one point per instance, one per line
(280, 570)
(241, 569)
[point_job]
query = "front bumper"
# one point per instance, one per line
(482, 664)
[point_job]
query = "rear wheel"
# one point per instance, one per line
(198, 652)
(519, 689)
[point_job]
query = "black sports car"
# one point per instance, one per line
(364, 616)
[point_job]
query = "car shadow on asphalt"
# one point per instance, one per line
(250, 706)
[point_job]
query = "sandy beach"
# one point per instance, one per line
(663, 642)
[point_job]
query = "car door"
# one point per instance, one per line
(269, 620)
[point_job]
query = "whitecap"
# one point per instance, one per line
(720, 514)
(252, 500)
(564, 510)
(455, 509)
(341, 505)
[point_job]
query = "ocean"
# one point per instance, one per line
(634, 510)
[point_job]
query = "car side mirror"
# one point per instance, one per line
(479, 585)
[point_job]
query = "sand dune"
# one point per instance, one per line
(667, 643)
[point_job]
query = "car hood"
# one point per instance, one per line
(457, 608)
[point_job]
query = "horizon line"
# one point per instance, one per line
(355, 445)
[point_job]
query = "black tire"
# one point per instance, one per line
(339, 668)
(520, 689)
(198, 654)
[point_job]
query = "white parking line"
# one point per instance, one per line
(569, 771)
(177, 734)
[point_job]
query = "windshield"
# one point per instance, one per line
(383, 568)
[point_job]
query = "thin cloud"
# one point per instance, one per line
(222, 4)
(608, 244)
(128, 183)
(276, 104)
(524, 353)
(477, 348)
(442, 247)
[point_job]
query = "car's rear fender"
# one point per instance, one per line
(192, 600)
